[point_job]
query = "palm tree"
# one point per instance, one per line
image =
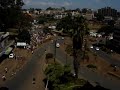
(76, 27)
(79, 31)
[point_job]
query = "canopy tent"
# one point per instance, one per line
(21, 44)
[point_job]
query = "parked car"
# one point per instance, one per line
(57, 45)
(97, 48)
(91, 47)
(62, 38)
(11, 55)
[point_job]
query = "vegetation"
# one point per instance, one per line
(76, 27)
(61, 78)
(99, 17)
(10, 13)
(106, 29)
(69, 49)
(24, 36)
(11, 16)
(46, 19)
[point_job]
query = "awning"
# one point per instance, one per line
(21, 44)
(8, 50)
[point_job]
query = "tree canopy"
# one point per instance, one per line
(106, 29)
(10, 11)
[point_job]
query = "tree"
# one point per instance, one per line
(84, 10)
(25, 22)
(57, 75)
(76, 27)
(24, 36)
(99, 17)
(46, 30)
(106, 29)
(10, 10)
(50, 8)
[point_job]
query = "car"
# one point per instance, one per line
(62, 38)
(11, 55)
(97, 48)
(91, 47)
(57, 45)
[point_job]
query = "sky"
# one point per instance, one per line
(72, 4)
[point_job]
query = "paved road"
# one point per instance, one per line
(21, 77)
(107, 57)
(28, 71)
(86, 73)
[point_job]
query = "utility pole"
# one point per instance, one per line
(66, 58)
(55, 51)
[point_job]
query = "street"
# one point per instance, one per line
(107, 57)
(23, 79)
(25, 76)
(87, 74)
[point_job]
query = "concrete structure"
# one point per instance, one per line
(107, 11)
(89, 16)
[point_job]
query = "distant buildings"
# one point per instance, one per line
(116, 36)
(107, 11)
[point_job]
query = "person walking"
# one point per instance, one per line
(3, 77)
(6, 69)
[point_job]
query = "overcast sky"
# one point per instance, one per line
(72, 4)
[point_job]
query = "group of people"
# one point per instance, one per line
(3, 76)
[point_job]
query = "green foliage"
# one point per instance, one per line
(25, 22)
(10, 13)
(76, 27)
(91, 66)
(60, 78)
(24, 36)
(42, 20)
(54, 72)
(106, 29)
(46, 18)
(46, 30)
(100, 17)
(69, 49)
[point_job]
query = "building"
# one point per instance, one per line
(5, 43)
(116, 36)
(107, 11)
(89, 16)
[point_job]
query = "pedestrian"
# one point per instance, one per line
(6, 69)
(15, 57)
(33, 81)
(3, 78)
(32, 51)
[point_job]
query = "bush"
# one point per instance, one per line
(69, 49)
(91, 66)
(49, 55)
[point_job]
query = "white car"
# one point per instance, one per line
(91, 47)
(11, 55)
(62, 38)
(57, 45)
(97, 48)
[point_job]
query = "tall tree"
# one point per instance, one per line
(10, 10)
(77, 28)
